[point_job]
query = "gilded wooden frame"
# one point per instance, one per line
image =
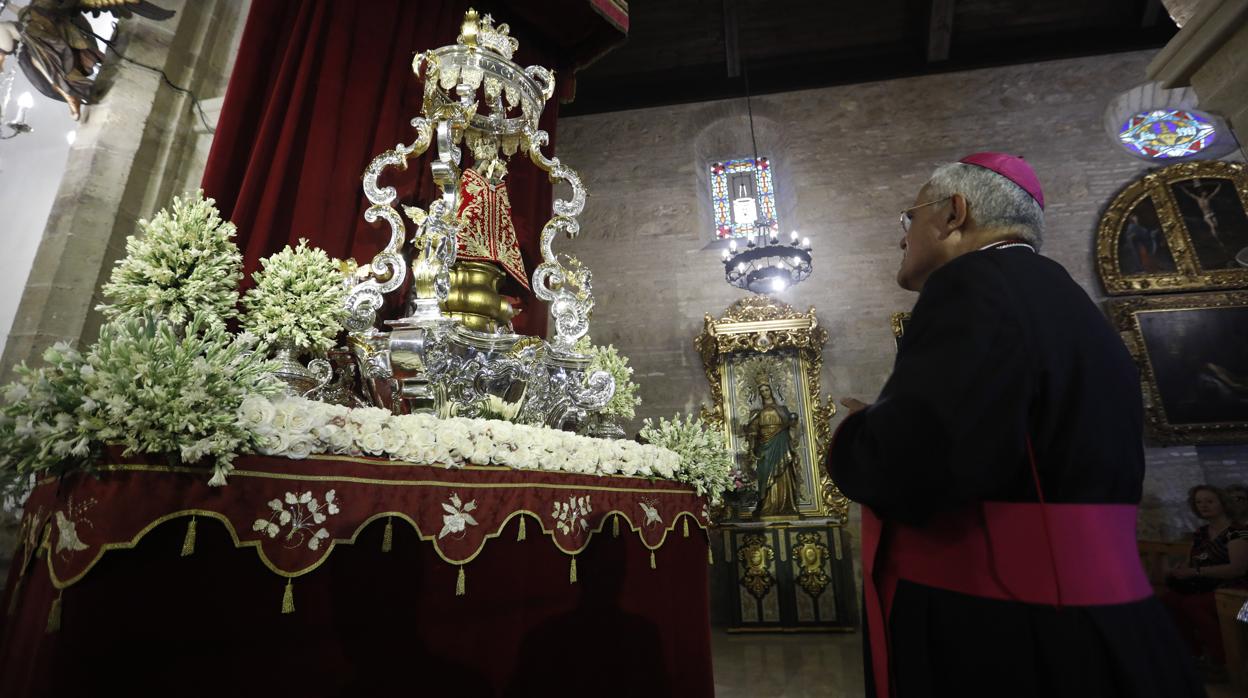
(899, 321)
(761, 325)
(1125, 314)
(1158, 185)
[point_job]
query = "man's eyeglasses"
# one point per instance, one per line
(907, 216)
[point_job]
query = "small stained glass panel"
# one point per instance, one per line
(1165, 134)
(727, 224)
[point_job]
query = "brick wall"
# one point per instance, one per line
(847, 159)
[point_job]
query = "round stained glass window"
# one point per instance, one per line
(1175, 133)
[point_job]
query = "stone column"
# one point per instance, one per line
(141, 144)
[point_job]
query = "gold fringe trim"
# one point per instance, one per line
(710, 554)
(653, 566)
(288, 598)
(188, 543)
(521, 534)
(461, 582)
(572, 571)
(685, 521)
(387, 538)
(615, 526)
(54, 615)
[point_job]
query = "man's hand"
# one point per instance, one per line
(854, 405)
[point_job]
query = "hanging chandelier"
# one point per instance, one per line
(10, 127)
(764, 264)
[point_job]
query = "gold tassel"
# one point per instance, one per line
(710, 554)
(387, 537)
(188, 543)
(652, 565)
(615, 526)
(685, 521)
(520, 535)
(572, 571)
(461, 581)
(54, 615)
(288, 598)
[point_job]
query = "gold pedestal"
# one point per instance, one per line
(474, 300)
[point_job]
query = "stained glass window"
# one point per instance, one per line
(743, 205)
(1171, 133)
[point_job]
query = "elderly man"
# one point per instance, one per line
(1000, 469)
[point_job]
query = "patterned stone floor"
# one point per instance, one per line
(805, 666)
(792, 666)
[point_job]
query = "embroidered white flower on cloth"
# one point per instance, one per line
(652, 512)
(302, 513)
(68, 538)
(570, 515)
(67, 521)
(457, 518)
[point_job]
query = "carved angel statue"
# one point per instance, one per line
(59, 53)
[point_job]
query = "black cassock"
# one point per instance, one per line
(1002, 343)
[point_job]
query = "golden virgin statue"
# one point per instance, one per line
(771, 435)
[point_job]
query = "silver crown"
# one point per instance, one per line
(480, 32)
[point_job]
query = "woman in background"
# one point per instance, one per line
(1218, 558)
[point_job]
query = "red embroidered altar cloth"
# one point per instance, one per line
(357, 576)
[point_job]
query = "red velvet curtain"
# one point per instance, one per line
(320, 88)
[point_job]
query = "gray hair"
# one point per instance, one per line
(992, 200)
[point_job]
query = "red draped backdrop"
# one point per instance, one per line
(320, 88)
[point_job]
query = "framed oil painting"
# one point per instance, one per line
(763, 360)
(1193, 356)
(1179, 228)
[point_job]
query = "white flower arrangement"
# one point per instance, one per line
(155, 390)
(705, 461)
(184, 262)
(296, 427)
(43, 425)
(299, 300)
(624, 402)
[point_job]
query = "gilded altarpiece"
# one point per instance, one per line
(785, 562)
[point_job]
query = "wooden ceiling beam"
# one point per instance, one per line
(939, 30)
(732, 37)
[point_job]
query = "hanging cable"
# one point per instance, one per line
(199, 108)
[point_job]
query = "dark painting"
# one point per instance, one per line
(1142, 246)
(1200, 360)
(1215, 218)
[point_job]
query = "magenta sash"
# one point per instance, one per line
(1050, 554)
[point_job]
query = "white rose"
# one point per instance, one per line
(299, 421)
(255, 411)
(440, 455)
(340, 441)
(300, 447)
(281, 415)
(373, 443)
(394, 440)
(272, 443)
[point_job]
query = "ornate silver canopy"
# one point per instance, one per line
(476, 96)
